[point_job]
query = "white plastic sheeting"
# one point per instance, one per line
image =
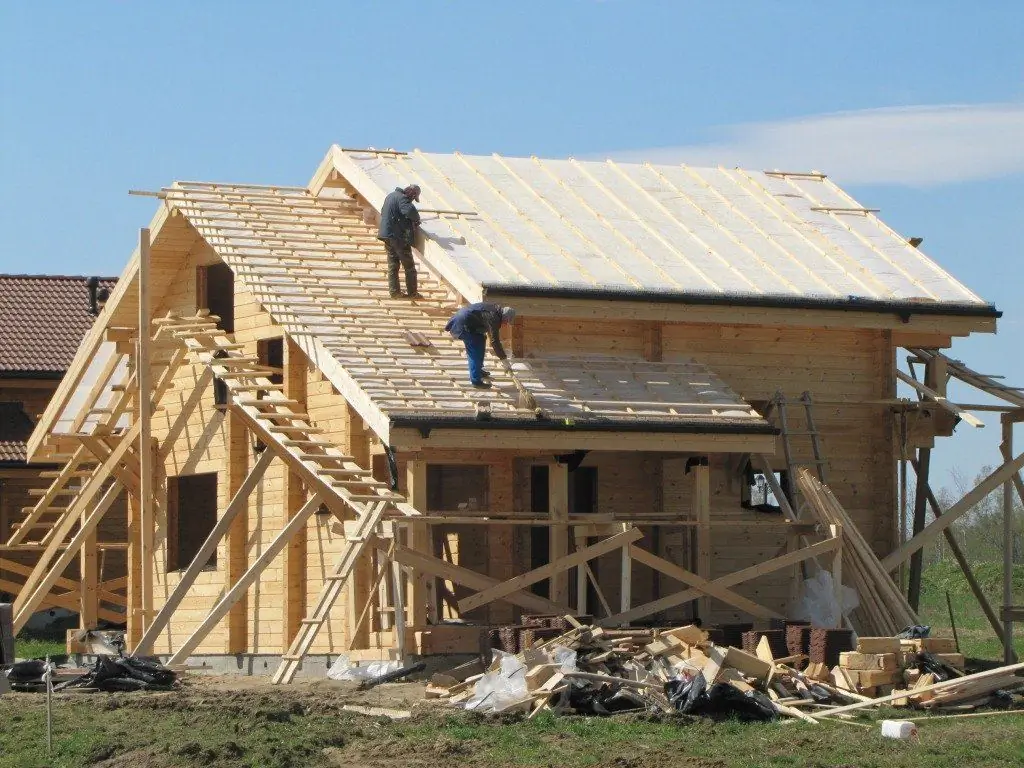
(642, 227)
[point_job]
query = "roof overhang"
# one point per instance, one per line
(905, 316)
(412, 435)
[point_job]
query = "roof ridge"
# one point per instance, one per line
(25, 276)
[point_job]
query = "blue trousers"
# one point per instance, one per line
(476, 347)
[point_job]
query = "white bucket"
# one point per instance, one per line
(898, 729)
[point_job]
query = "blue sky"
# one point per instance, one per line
(100, 97)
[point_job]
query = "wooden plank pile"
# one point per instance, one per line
(614, 670)
(592, 670)
(883, 610)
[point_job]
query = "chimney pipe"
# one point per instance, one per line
(93, 284)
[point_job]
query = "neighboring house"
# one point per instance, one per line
(325, 432)
(43, 319)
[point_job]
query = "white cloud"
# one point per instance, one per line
(913, 146)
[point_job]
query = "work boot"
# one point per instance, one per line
(481, 384)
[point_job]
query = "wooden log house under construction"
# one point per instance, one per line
(308, 471)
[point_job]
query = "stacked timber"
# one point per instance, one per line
(884, 665)
(883, 610)
(592, 670)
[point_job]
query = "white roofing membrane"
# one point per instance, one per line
(608, 226)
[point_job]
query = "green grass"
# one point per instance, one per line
(30, 647)
(977, 638)
(91, 729)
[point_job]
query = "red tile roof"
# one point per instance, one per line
(43, 319)
(15, 427)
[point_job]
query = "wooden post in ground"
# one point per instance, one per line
(362, 583)
(422, 587)
(238, 469)
(1007, 450)
(923, 464)
(837, 572)
(580, 540)
(144, 413)
(399, 592)
(88, 597)
(965, 566)
(500, 537)
(701, 510)
(558, 508)
(626, 578)
(295, 497)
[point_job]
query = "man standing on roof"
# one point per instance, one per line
(473, 324)
(399, 221)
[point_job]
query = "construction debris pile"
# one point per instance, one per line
(597, 671)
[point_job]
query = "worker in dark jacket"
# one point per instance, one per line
(473, 324)
(399, 221)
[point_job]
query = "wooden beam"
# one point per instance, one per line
(931, 394)
(470, 579)
(954, 513)
(558, 542)
(238, 504)
(144, 413)
(233, 595)
(561, 565)
(761, 569)
(39, 584)
(68, 521)
(731, 315)
(921, 466)
(548, 440)
(951, 683)
(295, 497)
(704, 586)
(88, 568)
(1006, 448)
(501, 538)
(965, 566)
(423, 591)
(239, 479)
(700, 506)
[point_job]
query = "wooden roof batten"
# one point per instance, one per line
(319, 271)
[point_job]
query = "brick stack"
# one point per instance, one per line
(826, 645)
(798, 637)
(732, 634)
(776, 641)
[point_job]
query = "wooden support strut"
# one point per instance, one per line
(1003, 473)
(237, 504)
(471, 579)
(550, 569)
(761, 569)
(234, 594)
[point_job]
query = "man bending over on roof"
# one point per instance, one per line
(473, 324)
(399, 221)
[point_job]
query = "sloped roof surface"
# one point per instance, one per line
(320, 272)
(15, 427)
(42, 321)
(653, 229)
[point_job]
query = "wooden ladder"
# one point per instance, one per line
(778, 404)
(53, 501)
(345, 486)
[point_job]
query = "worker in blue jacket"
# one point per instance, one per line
(399, 221)
(473, 324)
